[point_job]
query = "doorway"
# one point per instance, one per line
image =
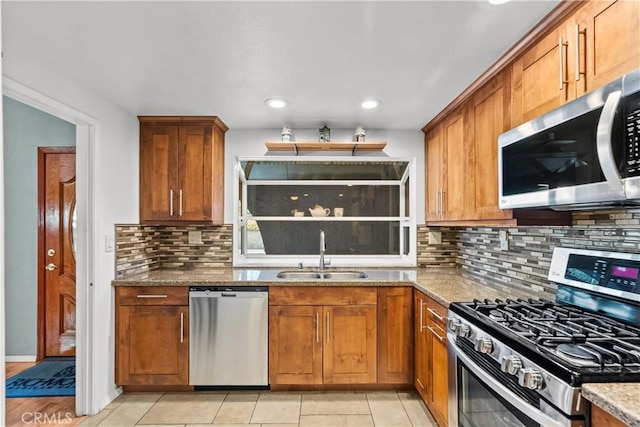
(87, 130)
(57, 233)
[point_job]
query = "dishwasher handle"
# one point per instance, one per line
(228, 294)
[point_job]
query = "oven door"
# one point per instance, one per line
(478, 398)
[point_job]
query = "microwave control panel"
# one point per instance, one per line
(632, 136)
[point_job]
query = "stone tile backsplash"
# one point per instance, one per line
(526, 262)
(140, 248)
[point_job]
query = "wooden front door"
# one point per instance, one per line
(56, 246)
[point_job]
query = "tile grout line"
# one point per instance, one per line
(226, 394)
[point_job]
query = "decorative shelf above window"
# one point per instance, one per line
(297, 146)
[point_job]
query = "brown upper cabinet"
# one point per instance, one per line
(181, 169)
(462, 163)
(596, 44)
(578, 47)
(608, 42)
(446, 154)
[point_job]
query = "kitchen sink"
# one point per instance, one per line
(335, 275)
(299, 275)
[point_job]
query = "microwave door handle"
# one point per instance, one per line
(604, 142)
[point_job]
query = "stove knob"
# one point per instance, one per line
(452, 323)
(530, 378)
(462, 330)
(484, 345)
(510, 365)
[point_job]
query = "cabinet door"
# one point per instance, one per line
(540, 79)
(438, 401)
(153, 345)
(489, 116)
(420, 345)
(158, 171)
(601, 418)
(295, 345)
(454, 191)
(395, 340)
(350, 345)
(608, 41)
(434, 173)
(194, 173)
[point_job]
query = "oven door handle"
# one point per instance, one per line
(534, 413)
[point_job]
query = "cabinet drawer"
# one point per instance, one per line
(152, 295)
(437, 313)
(334, 295)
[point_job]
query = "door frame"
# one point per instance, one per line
(87, 139)
(41, 258)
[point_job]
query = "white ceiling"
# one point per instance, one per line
(226, 58)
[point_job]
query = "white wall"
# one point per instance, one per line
(245, 143)
(115, 199)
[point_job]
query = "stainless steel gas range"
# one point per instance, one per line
(522, 362)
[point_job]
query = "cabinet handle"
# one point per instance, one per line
(170, 202)
(181, 328)
(317, 327)
(441, 339)
(327, 326)
(437, 316)
(180, 212)
(561, 81)
(422, 327)
(420, 382)
(151, 296)
(578, 32)
(442, 201)
(438, 202)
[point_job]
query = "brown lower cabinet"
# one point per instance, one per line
(601, 418)
(333, 335)
(152, 336)
(430, 355)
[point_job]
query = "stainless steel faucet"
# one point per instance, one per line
(323, 248)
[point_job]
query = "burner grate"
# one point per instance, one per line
(564, 330)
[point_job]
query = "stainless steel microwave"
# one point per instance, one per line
(582, 155)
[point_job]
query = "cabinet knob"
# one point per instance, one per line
(51, 266)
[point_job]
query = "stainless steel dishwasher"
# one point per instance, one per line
(228, 339)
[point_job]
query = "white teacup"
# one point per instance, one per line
(338, 211)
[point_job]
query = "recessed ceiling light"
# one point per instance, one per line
(370, 103)
(276, 102)
(498, 1)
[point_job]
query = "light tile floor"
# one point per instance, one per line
(265, 409)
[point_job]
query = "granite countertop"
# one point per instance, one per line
(444, 285)
(622, 400)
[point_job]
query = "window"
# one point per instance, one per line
(363, 205)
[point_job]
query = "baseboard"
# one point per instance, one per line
(20, 358)
(110, 398)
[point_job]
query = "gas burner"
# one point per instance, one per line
(574, 351)
(496, 314)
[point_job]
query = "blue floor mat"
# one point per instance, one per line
(50, 377)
